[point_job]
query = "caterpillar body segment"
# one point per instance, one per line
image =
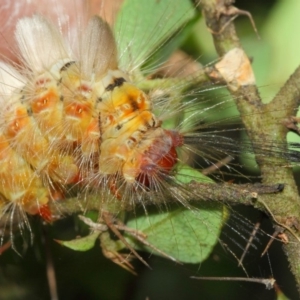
(18, 182)
(43, 99)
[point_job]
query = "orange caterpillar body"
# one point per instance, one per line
(72, 117)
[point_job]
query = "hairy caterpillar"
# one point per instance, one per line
(72, 117)
(87, 120)
(69, 157)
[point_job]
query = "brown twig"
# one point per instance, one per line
(227, 193)
(260, 123)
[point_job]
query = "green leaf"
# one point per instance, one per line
(143, 25)
(187, 235)
(186, 173)
(174, 43)
(82, 244)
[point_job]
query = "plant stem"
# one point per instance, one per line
(263, 125)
